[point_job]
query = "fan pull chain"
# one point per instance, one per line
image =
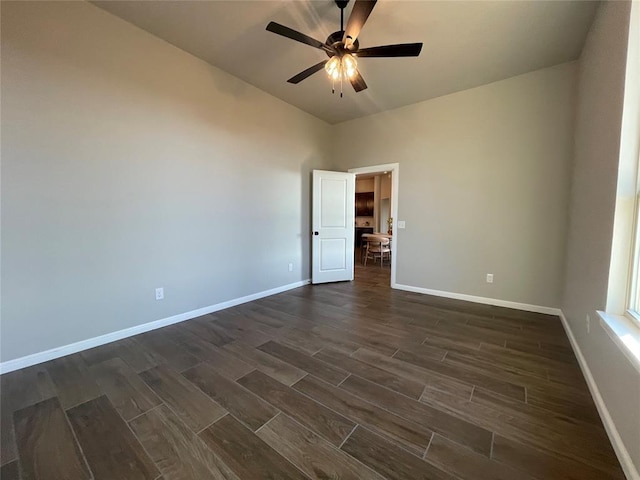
(341, 76)
(333, 85)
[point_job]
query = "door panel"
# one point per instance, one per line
(333, 226)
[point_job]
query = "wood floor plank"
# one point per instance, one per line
(312, 454)
(161, 343)
(539, 349)
(318, 418)
(220, 360)
(465, 464)
(193, 407)
(412, 436)
(300, 340)
(46, 444)
(358, 327)
(448, 340)
(543, 466)
(100, 354)
(137, 356)
(309, 364)
(569, 403)
(461, 431)
(260, 316)
(110, 448)
(463, 374)
(415, 373)
(496, 370)
(204, 328)
(240, 329)
(19, 389)
(245, 330)
(73, 381)
(388, 459)
(246, 454)
(128, 349)
(127, 392)
(281, 371)
(240, 402)
(369, 341)
(10, 471)
(309, 339)
(178, 452)
(555, 422)
(8, 449)
(400, 384)
(525, 360)
(546, 434)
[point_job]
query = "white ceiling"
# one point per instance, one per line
(466, 44)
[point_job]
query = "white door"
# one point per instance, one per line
(332, 226)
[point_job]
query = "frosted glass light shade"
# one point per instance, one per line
(333, 68)
(349, 66)
(345, 67)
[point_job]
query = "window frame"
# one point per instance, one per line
(633, 285)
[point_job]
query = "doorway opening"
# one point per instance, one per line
(376, 207)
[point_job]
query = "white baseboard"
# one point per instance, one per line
(622, 453)
(34, 359)
(484, 300)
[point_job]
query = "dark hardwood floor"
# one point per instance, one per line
(339, 381)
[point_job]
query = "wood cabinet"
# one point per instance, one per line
(364, 204)
(359, 232)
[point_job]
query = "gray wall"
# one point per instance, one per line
(483, 184)
(593, 197)
(127, 165)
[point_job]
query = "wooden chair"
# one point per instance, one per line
(364, 239)
(377, 247)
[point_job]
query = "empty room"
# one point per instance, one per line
(320, 239)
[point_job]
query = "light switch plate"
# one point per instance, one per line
(400, 223)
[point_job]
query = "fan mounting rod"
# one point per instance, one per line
(342, 4)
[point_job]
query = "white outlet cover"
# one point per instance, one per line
(159, 293)
(489, 277)
(401, 224)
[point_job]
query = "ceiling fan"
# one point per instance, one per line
(342, 47)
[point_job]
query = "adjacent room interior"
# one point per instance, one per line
(373, 226)
(158, 318)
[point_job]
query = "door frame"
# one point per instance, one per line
(394, 168)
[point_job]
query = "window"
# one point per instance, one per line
(633, 295)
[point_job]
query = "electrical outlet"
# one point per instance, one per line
(291, 267)
(588, 323)
(489, 277)
(159, 293)
(401, 224)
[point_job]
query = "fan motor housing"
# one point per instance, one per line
(335, 41)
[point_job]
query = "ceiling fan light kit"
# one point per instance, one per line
(343, 48)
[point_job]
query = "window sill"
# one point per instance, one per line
(625, 333)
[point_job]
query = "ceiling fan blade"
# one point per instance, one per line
(401, 50)
(359, 14)
(297, 36)
(308, 72)
(358, 82)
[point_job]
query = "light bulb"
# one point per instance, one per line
(349, 66)
(332, 67)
